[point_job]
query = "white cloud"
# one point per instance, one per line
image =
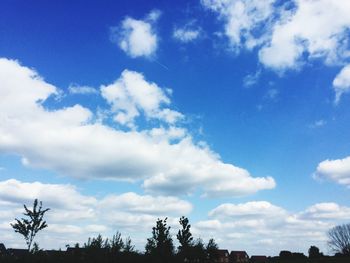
(241, 19)
(131, 93)
(187, 33)
(341, 83)
(73, 217)
(250, 209)
(248, 225)
(287, 34)
(77, 89)
(68, 142)
(317, 28)
(329, 211)
(137, 38)
(335, 170)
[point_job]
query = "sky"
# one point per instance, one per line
(232, 113)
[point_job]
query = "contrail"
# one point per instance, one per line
(161, 65)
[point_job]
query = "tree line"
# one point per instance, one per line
(159, 247)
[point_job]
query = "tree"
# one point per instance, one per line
(160, 245)
(184, 235)
(116, 243)
(29, 227)
(339, 239)
(314, 252)
(128, 247)
(198, 252)
(212, 250)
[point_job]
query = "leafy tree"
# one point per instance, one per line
(160, 245)
(212, 250)
(339, 239)
(198, 252)
(184, 235)
(285, 254)
(314, 252)
(30, 226)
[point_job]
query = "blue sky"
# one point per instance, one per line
(233, 113)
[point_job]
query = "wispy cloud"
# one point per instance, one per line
(251, 79)
(78, 89)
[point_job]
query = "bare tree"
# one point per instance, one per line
(339, 239)
(30, 226)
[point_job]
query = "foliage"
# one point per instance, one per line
(160, 245)
(198, 252)
(128, 247)
(212, 250)
(96, 243)
(314, 252)
(339, 239)
(30, 226)
(184, 235)
(116, 243)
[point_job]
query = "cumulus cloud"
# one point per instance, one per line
(131, 93)
(67, 140)
(286, 34)
(335, 170)
(341, 83)
(72, 213)
(317, 28)
(137, 38)
(248, 225)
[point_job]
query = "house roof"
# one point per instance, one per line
(241, 253)
(258, 257)
(223, 252)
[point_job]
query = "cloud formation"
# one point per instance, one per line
(137, 38)
(187, 33)
(263, 227)
(335, 170)
(132, 94)
(78, 89)
(73, 217)
(315, 30)
(290, 34)
(287, 34)
(341, 83)
(68, 141)
(242, 19)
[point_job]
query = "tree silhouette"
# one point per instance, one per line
(314, 252)
(339, 239)
(128, 247)
(212, 250)
(160, 245)
(29, 227)
(184, 235)
(116, 243)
